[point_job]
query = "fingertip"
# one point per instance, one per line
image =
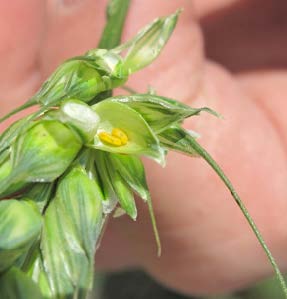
(73, 27)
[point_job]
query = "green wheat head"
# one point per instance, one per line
(65, 168)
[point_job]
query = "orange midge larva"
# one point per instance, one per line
(108, 138)
(116, 132)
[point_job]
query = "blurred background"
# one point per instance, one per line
(136, 284)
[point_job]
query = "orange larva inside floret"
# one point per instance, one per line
(116, 132)
(116, 138)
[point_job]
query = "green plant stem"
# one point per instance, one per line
(154, 226)
(111, 37)
(206, 156)
(116, 16)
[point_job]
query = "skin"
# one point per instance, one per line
(207, 245)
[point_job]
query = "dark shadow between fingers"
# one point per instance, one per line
(248, 35)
